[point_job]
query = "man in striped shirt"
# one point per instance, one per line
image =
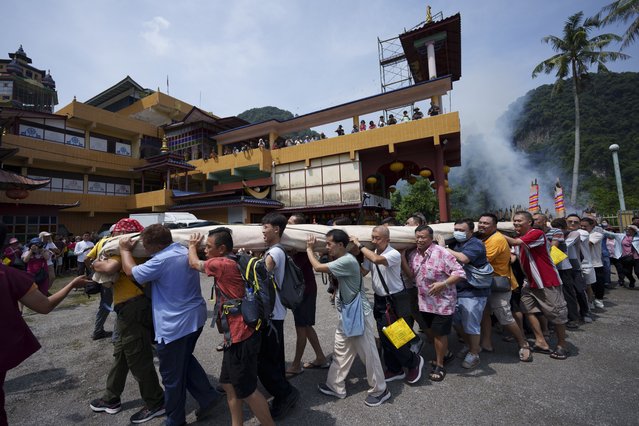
(542, 290)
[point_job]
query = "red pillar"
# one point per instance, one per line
(440, 178)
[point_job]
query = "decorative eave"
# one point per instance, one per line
(10, 180)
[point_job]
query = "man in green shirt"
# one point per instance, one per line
(346, 269)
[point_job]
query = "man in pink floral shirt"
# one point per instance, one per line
(435, 272)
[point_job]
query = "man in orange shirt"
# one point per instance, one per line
(498, 254)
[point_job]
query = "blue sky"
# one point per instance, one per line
(300, 56)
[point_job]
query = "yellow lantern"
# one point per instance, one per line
(396, 166)
(392, 189)
(371, 180)
(446, 169)
(425, 173)
(412, 179)
(449, 190)
(446, 183)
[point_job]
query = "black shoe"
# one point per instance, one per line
(281, 408)
(112, 407)
(146, 414)
(204, 412)
(101, 335)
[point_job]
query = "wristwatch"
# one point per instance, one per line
(360, 247)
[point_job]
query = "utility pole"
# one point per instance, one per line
(614, 148)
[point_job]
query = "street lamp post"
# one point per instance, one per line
(614, 148)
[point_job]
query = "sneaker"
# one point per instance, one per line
(204, 412)
(599, 304)
(111, 407)
(322, 387)
(101, 335)
(470, 361)
(414, 374)
(587, 319)
(146, 414)
(463, 352)
(389, 376)
(281, 408)
(374, 401)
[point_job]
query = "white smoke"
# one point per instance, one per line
(499, 174)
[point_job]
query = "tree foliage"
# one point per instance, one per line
(420, 198)
(623, 11)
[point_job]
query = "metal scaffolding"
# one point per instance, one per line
(394, 72)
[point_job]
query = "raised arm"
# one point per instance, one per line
(194, 260)
(316, 264)
(38, 302)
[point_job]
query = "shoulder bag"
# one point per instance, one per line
(353, 315)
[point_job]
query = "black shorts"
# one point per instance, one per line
(304, 314)
(239, 366)
(440, 325)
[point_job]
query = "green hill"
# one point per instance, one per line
(257, 115)
(543, 126)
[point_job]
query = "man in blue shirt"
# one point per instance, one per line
(471, 301)
(179, 313)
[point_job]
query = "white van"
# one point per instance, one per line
(167, 218)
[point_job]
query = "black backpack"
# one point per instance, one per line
(259, 298)
(291, 289)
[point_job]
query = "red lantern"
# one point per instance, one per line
(17, 194)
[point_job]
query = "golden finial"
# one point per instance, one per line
(429, 17)
(165, 147)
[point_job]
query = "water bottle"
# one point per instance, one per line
(250, 296)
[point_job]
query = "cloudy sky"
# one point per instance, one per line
(297, 55)
(229, 56)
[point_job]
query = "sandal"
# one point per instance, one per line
(559, 353)
(522, 354)
(540, 350)
(437, 374)
(447, 358)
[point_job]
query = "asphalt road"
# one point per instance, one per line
(596, 385)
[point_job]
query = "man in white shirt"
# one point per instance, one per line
(271, 367)
(593, 243)
(384, 263)
(81, 250)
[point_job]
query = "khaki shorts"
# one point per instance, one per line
(499, 304)
(548, 300)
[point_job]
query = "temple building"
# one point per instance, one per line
(130, 149)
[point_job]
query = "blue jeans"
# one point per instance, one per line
(106, 300)
(180, 372)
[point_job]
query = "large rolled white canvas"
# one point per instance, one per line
(249, 237)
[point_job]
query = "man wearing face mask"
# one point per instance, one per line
(471, 301)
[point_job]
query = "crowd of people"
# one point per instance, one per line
(547, 277)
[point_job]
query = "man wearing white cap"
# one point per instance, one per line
(55, 252)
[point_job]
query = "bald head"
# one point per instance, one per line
(382, 231)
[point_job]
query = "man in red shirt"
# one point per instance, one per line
(239, 363)
(541, 291)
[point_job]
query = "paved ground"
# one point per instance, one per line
(597, 385)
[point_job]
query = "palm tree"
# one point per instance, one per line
(576, 54)
(623, 11)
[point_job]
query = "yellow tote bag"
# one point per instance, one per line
(399, 333)
(557, 255)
